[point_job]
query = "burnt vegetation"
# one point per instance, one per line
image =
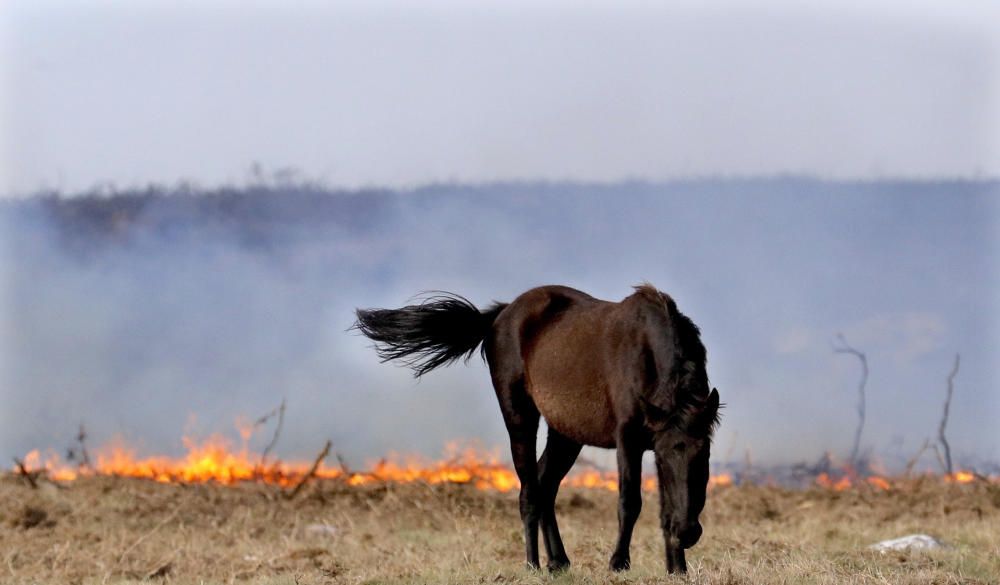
(272, 208)
(258, 217)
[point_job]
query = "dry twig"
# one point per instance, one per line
(81, 438)
(312, 470)
(280, 411)
(937, 454)
(79, 452)
(343, 465)
(913, 460)
(847, 349)
(28, 475)
(944, 417)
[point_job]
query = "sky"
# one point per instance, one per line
(394, 93)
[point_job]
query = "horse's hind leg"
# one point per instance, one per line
(557, 459)
(521, 417)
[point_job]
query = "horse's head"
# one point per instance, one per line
(681, 442)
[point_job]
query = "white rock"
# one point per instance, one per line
(321, 529)
(911, 542)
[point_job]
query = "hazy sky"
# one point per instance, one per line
(387, 93)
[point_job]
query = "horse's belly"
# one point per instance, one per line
(583, 416)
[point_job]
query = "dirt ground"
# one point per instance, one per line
(111, 530)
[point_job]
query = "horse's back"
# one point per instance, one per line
(563, 339)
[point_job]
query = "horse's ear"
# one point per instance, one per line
(712, 403)
(710, 413)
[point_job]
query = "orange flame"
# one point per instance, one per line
(850, 479)
(215, 460)
(841, 484)
(878, 482)
(961, 477)
(723, 479)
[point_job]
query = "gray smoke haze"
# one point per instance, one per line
(133, 313)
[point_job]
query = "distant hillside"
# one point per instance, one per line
(265, 215)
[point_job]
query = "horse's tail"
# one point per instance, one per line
(438, 331)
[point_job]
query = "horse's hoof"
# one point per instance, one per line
(558, 565)
(676, 562)
(620, 563)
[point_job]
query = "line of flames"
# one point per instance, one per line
(213, 460)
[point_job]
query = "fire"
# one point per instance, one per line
(216, 460)
(841, 484)
(879, 482)
(723, 479)
(469, 465)
(850, 479)
(961, 477)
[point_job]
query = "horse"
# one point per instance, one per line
(629, 375)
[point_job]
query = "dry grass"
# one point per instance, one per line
(106, 530)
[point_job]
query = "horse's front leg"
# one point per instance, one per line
(630, 449)
(674, 552)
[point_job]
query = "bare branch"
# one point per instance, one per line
(913, 460)
(28, 475)
(280, 411)
(312, 470)
(343, 465)
(845, 348)
(944, 417)
(81, 438)
(937, 454)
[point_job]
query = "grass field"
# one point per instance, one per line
(113, 530)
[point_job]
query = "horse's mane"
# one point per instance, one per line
(686, 405)
(688, 334)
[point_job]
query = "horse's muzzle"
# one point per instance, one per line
(690, 535)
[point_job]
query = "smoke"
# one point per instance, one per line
(158, 313)
(497, 90)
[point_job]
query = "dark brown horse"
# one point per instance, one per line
(628, 375)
